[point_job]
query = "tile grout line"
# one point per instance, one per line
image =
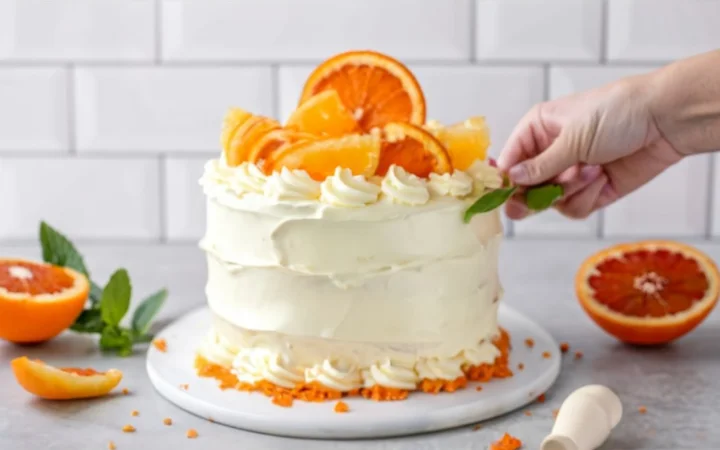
(473, 30)
(604, 31)
(158, 32)
(275, 87)
(71, 110)
(546, 82)
(162, 198)
(709, 204)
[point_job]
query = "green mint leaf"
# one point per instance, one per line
(146, 311)
(58, 250)
(542, 197)
(489, 201)
(115, 299)
(95, 295)
(89, 321)
(143, 338)
(116, 338)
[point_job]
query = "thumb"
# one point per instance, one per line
(547, 164)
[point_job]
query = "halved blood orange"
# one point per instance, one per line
(414, 149)
(465, 142)
(245, 138)
(234, 118)
(37, 300)
(324, 115)
(649, 292)
(53, 383)
(320, 158)
(375, 88)
(274, 140)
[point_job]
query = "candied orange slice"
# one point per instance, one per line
(465, 142)
(37, 300)
(234, 118)
(324, 115)
(413, 149)
(274, 140)
(375, 88)
(53, 383)
(320, 158)
(246, 136)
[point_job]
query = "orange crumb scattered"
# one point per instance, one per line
(541, 398)
(546, 355)
(564, 347)
(341, 407)
(192, 433)
(555, 413)
(125, 391)
(167, 421)
(530, 342)
(479, 388)
(383, 394)
(528, 413)
(135, 413)
(211, 420)
(477, 427)
(184, 387)
(160, 344)
(435, 386)
(521, 366)
(507, 442)
(111, 445)
(128, 429)
(578, 355)
(642, 410)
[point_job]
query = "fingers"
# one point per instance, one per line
(584, 202)
(547, 164)
(521, 143)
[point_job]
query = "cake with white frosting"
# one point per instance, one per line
(347, 283)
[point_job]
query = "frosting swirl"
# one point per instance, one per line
(404, 188)
(483, 353)
(391, 375)
(254, 364)
(344, 189)
(485, 175)
(216, 171)
(339, 375)
(247, 177)
(292, 185)
(457, 184)
(218, 350)
(437, 368)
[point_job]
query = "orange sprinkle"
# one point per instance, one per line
(507, 442)
(184, 387)
(111, 445)
(530, 342)
(341, 407)
(479, 388)
(435, 386)
(160, 344)
(383, 394)
(477, 427)
(211, 420)
(192, 433)
(528, 413)
(642, 410)
(167, 421)
(521, 366)
(578, 355)
(564, 347)
(128, 429)
(125, 391)
(546, 355)
(555, 413)
(541, 398)
(135, 413)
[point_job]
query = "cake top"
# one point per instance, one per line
(358, 135)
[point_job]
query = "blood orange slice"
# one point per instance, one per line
(649, 292)
(52, 383)
(245, 138)
(274, 140)
(38, 301)
(413, 149)
(375, 88)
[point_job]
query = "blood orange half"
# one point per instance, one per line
(649, 292)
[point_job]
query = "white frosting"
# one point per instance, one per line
(339, 375)
(254, 364)
(291, 185)
(457, 184)
(404, 188)
(217, 173)
(440, 368)
(486, 176)
(391, 374)
(344, 189)
(246, 178)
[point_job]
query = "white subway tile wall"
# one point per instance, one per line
(113, 106)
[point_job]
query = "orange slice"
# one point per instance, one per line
(320, 158)
(414, 149)
(245, 138)
(324, 115)
(465, 142)
(649, 292)
(37, 300)
(274, 140)
(375, 88)
(53, 383)
(234, 118)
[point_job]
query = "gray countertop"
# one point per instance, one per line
(679, 383)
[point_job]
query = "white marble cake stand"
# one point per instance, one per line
(366, 419)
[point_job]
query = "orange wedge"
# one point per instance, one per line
(465, 142)
(320, 158)
(53, 383)
(324, 115)
(234, 118)
(37, 300)
(414, 149)
(245, 138)
(274, 140)
(375, 88)
(649, 292)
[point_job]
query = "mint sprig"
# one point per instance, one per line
(537, 198)
(107, 305)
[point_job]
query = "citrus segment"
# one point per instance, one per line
(412, 148)
(274, 140)
(320, 158)
(375, 88)
(465, 142)
(37, 300)
(245, 138)
(324, 115)
(234, 118)
(53, 383)
(648, 292)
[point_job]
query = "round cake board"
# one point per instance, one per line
(419, 413)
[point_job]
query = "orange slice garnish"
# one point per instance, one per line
(53, 383)
(320, 158)
(274, 140)
(234, 118)
(245, 138)
(414, 149)
(324, 115)
(465, 142)
(649, 292)
(37, 300)
(375, 88)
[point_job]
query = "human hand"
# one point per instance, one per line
(600, 145)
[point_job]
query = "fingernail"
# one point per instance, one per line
(589, 173)
(519, 174)
(516, 209)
